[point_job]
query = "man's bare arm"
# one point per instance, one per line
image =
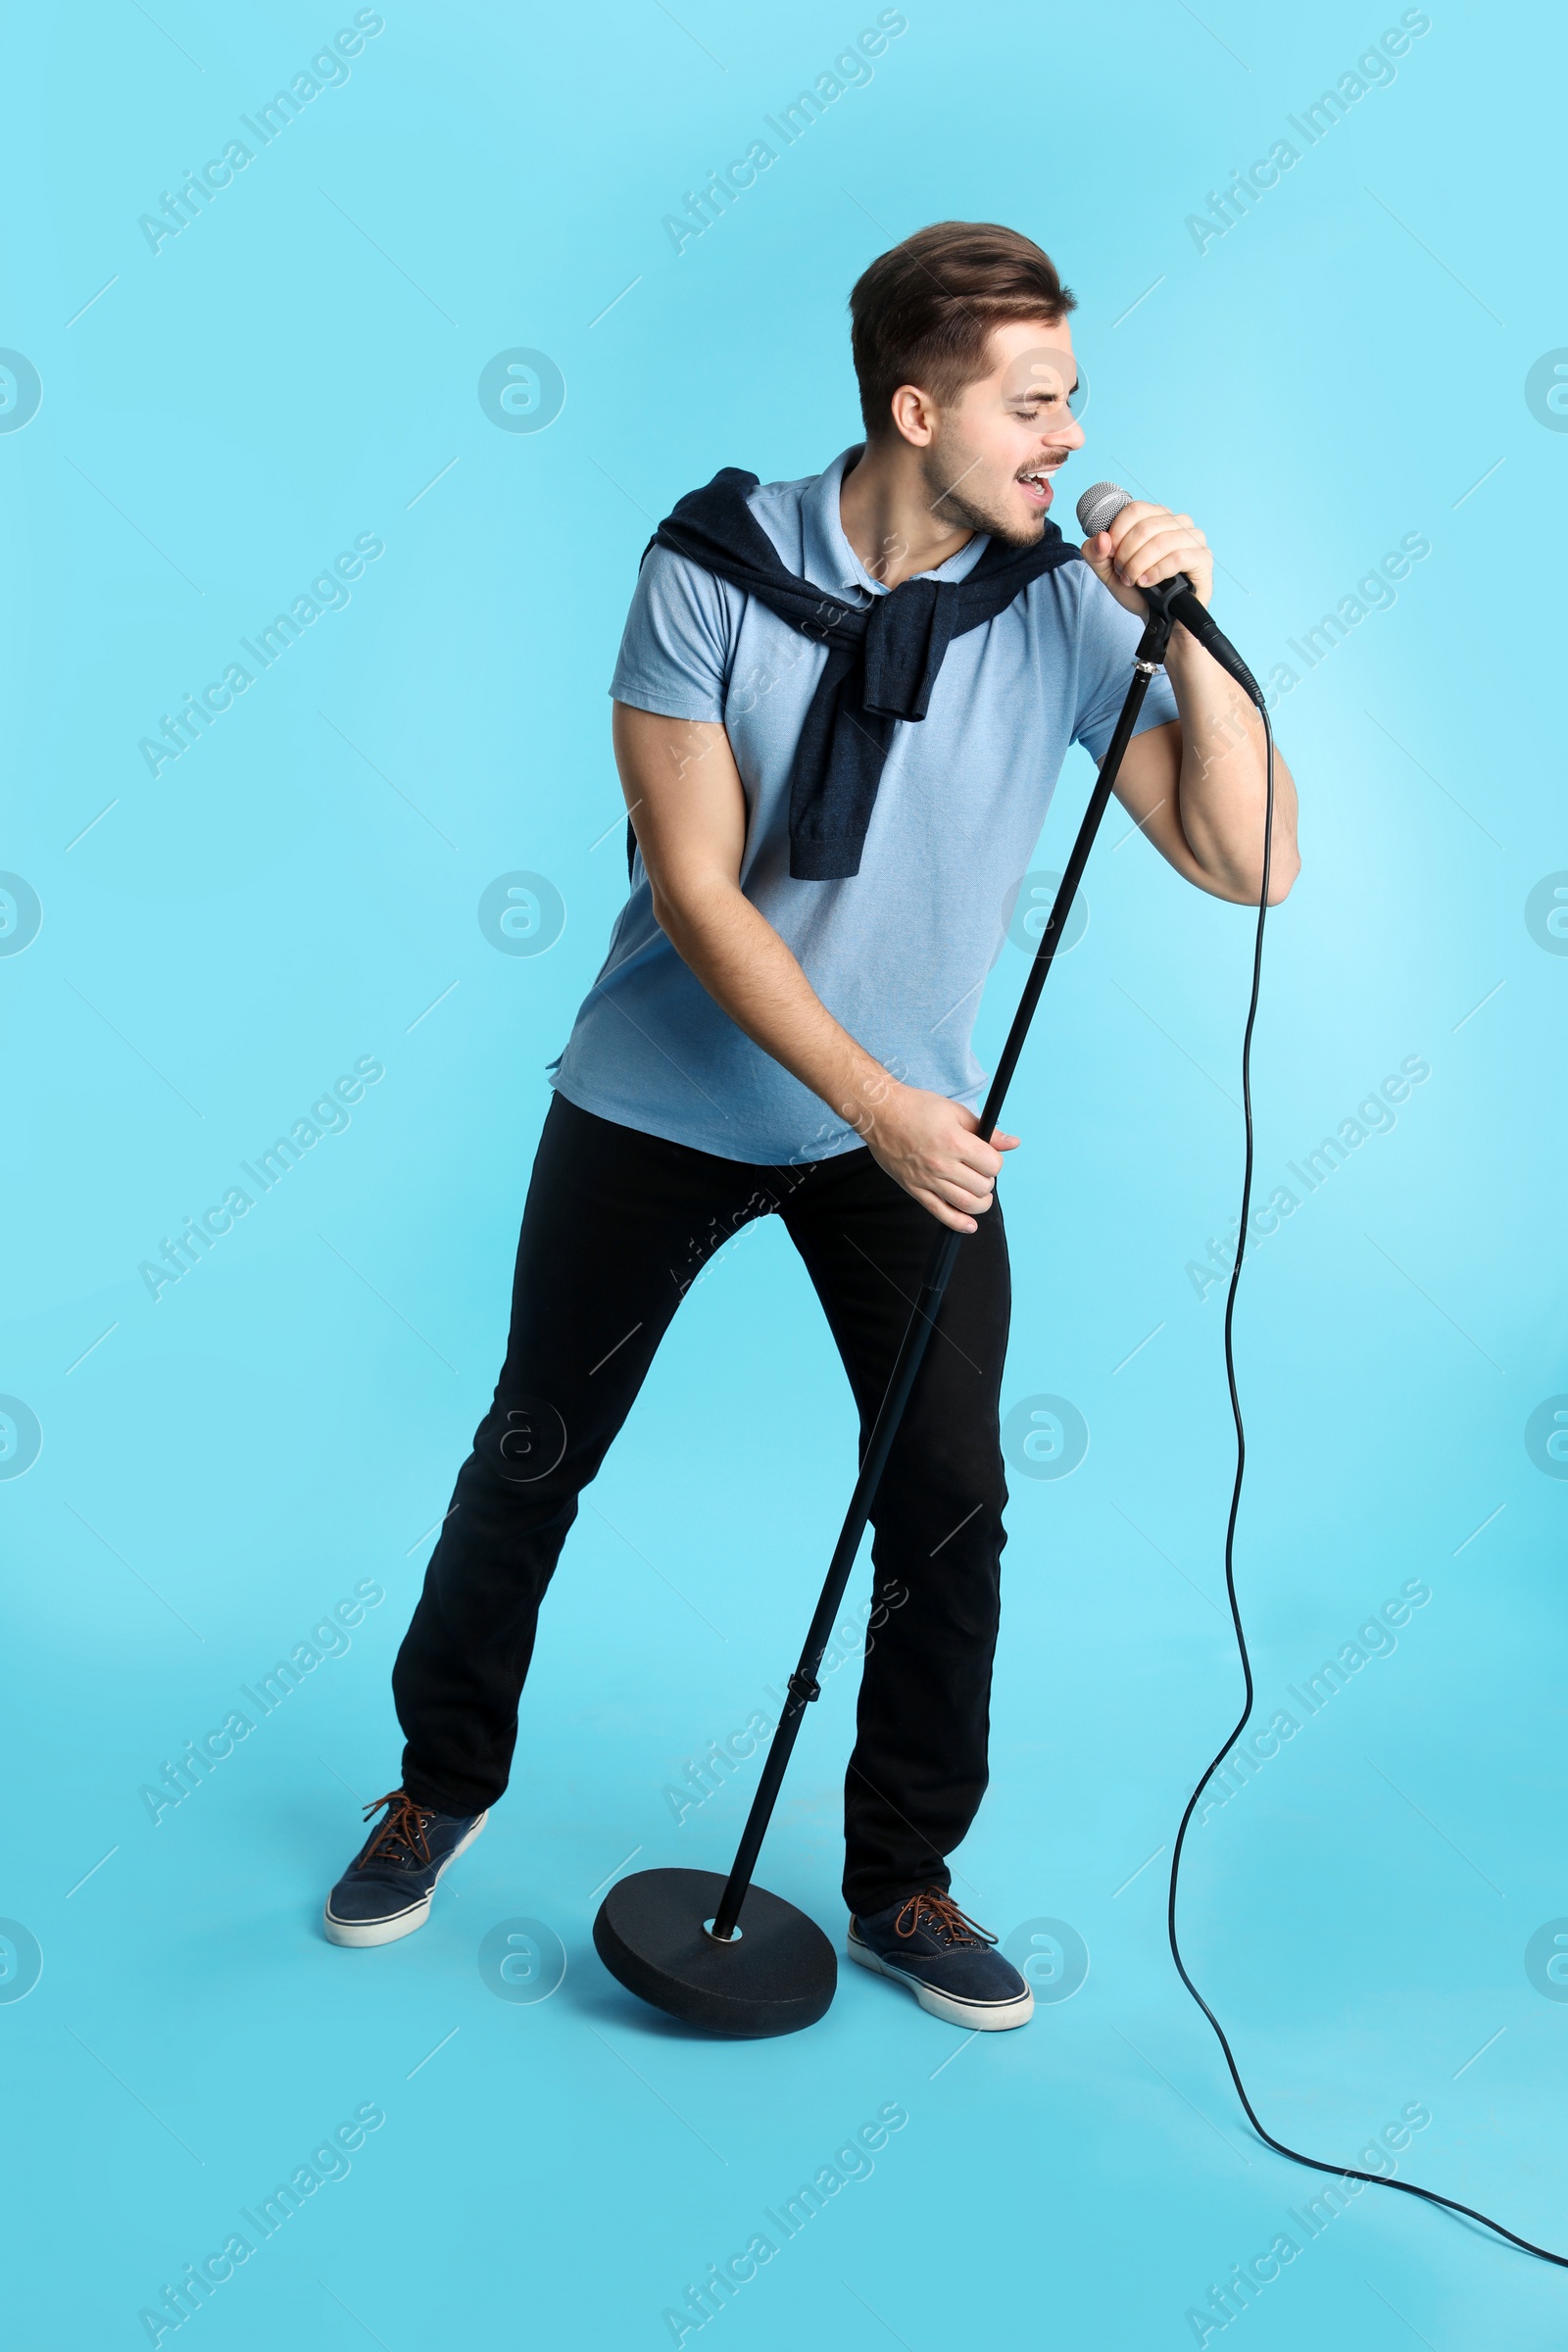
(1196, 788)
(688, 809)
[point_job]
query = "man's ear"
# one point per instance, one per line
(913, 415)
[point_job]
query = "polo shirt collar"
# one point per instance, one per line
(829, 559)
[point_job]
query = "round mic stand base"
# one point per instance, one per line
(776, 1975)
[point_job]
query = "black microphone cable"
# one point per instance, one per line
(1337, 2172)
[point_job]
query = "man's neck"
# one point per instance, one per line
(885, 509)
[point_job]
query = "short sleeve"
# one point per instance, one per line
(1107, 639)
(675, 649)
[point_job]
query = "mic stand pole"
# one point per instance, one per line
(643, 1931)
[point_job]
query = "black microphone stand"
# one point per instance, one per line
(724, 1954)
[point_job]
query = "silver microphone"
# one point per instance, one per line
(1100, 506)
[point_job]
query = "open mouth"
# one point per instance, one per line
(1036, 486)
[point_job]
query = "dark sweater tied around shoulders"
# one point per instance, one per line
(883, 658)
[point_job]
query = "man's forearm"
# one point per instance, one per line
(1223, 782)
(751, 975)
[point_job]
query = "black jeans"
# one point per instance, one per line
(618, 1226)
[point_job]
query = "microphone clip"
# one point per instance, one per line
(1161, 600)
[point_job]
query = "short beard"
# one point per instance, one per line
(951, 507)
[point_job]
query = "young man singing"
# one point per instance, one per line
(840, 710)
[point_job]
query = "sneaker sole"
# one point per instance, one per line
(981, 2016)
(358, 1933)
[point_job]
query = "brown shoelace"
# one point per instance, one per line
(403, 1825)
(942, 1913)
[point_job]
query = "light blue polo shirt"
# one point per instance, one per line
(899, 952)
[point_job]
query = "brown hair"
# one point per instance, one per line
(923, 313)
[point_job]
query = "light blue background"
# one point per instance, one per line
(301, 889)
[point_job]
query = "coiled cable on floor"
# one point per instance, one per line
(1337, 2172)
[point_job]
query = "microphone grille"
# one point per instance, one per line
(1100, 506)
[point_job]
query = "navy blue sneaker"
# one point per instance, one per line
(385, 1891)
(949, 1964)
